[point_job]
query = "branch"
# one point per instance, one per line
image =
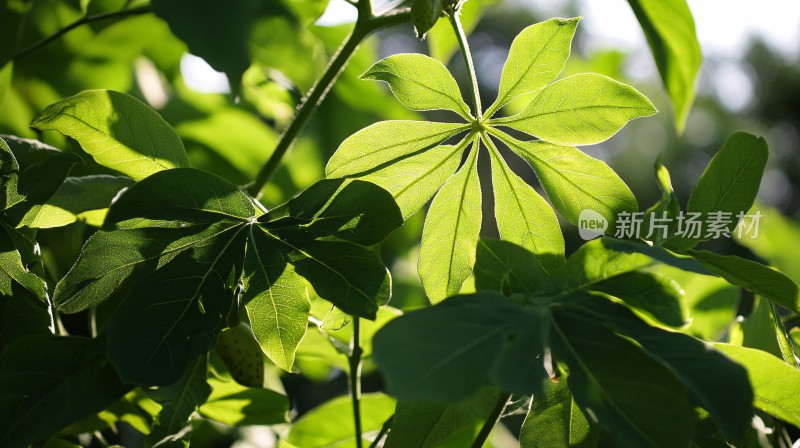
(82, 21)
(363, 28)
(462, 43)
(387, 425)
(355, 378)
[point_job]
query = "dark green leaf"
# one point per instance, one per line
(655, 294)
(173, 316)
(426, 424)
(555, 421)
(355, 211)
(50, 382)
(420, 82)
(119, 131)
(669, 27)
(451, 232)
(179, 401)
(507, 268)
(214, 30)
(752, 276)
(595, 262)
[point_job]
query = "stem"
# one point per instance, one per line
(82, 21)
(491, 421)
(387, 425)
(365, 26)
(464, 45)
(355, 378)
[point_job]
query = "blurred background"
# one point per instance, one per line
(750, 81)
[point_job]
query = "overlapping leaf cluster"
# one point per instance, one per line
(409, 159)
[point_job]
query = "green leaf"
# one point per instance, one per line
(65, 379)
(537, 56)
(524, 217)
(235, 405)
(6, 75)
(173, 316)
(555, 421)
(763, 329)
(179, 401)
(776, 385)
(276, 300)
(464, 340)
(713, 381)
(119, 131)
(426, 424)
(420, 82)
(414, 180)
(331, 425)
(382, 143)
(216, 31)
(575, 182)
(637, 399)
(593, 263)
(752, 276)
(349, 276)
(670, 31)
(78, 195)
(355, 211)
(729, 183)
(425, 14)
(656, 295)
(508, 268)
(582, 109)
(451, 232)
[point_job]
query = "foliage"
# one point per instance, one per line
(204, 297)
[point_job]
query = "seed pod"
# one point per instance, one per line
(242, 355)
(424, 14)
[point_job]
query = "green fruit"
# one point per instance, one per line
(424, 14)
(242, 355)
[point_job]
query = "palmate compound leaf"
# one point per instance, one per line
(420, 83)
(187, 234)
(119, 131)
(581, 109)
(65, 379)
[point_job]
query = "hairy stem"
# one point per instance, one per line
(82, 21)
(365, 26)
(355, 377)
(490, 423)
(455, 20)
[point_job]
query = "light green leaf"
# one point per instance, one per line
(424, 14)
(656, 295)
(426, 424)
(537, 56)
(776, 384)
(78, 195)
(65, 378)
(752, 276)
(276, 299)
(637, 399)
(575, 182)
(119, 131)
(508, 268)
(179, 401)
(235, 405)
(670, 31)
(382, 143)
(420, 82)
(524, 217)
(452, 228)
(331, 424)
(763, 329)
(582, 109)
(776, 232)
(555, 421)
(6, 75)
(414, 180)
